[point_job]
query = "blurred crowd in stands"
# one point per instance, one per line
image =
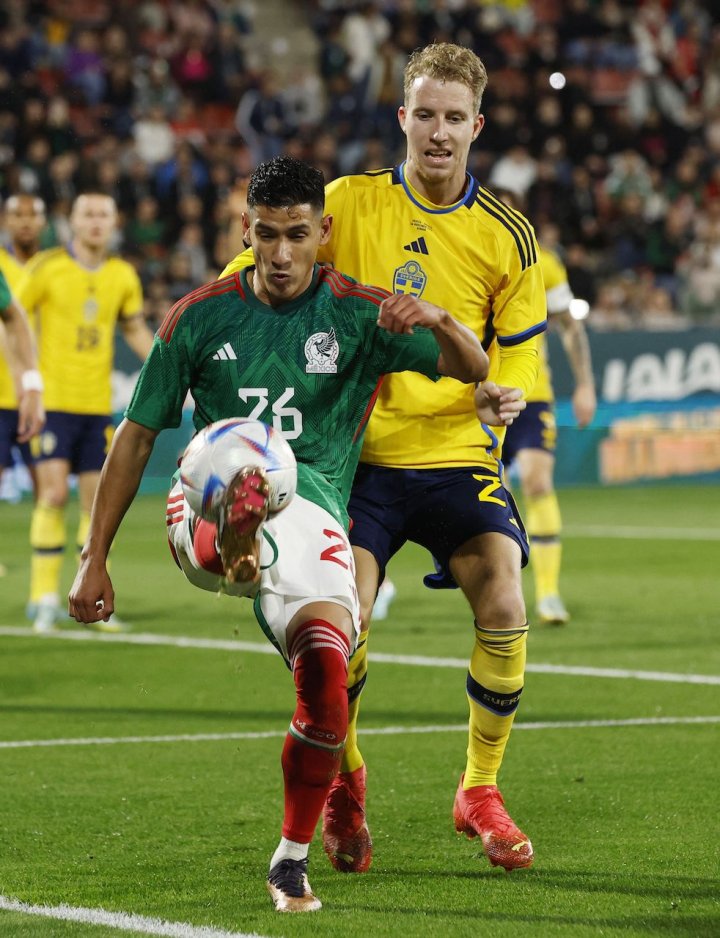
(603, 115)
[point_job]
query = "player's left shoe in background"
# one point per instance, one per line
(46, 618)
(551, 611)
(480, 812)
(113, 626)
(288, 885)
(383, 600)
(345, 834)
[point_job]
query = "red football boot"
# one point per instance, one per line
(480, 812)
(345, 834)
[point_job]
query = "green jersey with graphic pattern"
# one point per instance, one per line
(311, 368)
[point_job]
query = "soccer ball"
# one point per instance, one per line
(220, 450)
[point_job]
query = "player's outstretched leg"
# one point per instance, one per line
(494, 685)
(311, 756)
(245, 507)
(345, 834)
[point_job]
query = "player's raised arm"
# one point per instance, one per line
(461, 354)
(92, 596)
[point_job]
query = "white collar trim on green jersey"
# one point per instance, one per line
(417, 199)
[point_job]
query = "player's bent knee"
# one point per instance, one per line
(502, 608)
(54, 496)
(538, 486)
(332, 614)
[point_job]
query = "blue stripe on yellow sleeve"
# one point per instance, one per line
(520, 337)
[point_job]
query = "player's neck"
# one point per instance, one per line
(444, 192)
(87, 255)
(23, 254)
(254, 281)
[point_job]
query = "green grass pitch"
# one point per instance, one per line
(623, 816)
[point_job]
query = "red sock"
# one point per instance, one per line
(205, 546)
(316, 740)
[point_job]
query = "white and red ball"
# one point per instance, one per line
(221, 449)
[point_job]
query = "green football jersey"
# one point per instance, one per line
(311, 368)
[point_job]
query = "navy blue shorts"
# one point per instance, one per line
(535, 428)
(82, 439)
(439, 509)
(8, 439)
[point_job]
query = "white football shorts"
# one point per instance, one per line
(305, 558)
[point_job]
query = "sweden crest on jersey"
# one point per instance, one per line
(410, 278)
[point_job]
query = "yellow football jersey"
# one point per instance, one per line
(75, 310)
(13, 270)
(477, 259)
(559, 296)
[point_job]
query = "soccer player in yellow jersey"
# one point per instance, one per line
(27, 418)
(530, 441)
(430, 468)
(24, 221)
(75, 296)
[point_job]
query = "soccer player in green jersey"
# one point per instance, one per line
(430, 469)
(303, 348)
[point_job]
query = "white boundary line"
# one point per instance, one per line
(640, 533)
(373, 731)
(568, 669)
(123, 921)
(264, 648)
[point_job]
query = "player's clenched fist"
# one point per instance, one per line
(400, 312)
(497, 405)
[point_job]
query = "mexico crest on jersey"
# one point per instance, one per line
(410, 278)
(321, 351)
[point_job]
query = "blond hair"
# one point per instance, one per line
(445, 61)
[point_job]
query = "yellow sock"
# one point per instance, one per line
(494, 685)
(47, 539)
(546, 559)
(357, 672)
(543, 526)
(83, 530)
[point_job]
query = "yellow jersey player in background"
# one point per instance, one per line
(530, 441)
(24, 220)
(75, 296)
(429, 469)
(20, 424)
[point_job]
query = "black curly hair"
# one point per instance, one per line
(285, 181)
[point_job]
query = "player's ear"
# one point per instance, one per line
(245, 217)
(402, 116)
(478, 125)
(325, 228)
